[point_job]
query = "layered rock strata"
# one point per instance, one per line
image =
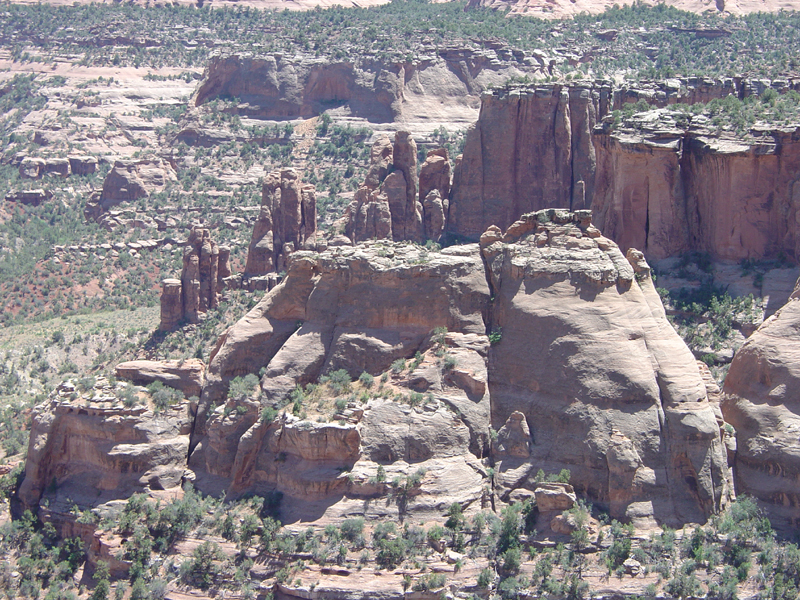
(661, 186)
(287, 221)
(761, 401)
(184, 375)
(545, 334)
(93, 450)
(280, 86)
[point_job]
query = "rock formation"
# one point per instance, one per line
(31, 197)
(545, 334)
(434, 192)
(201, 283)
(301, 85)
(129, 180)
(286, 222)
(528, 151)
(661, 188)
(556, 283)
(386, 204)
(760, 400)
(184, 375)
(94, 450)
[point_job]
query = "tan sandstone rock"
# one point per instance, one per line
(760, 400)
(582, 344)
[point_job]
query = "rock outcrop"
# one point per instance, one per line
(184, 375)
(652, 443)
(129, 180)
(92, 450)
(660, 186)
(435, 179)
(760, 400)
(300, 85)
(355, 309)
(386, 205)
(528, 151)
(198, 290)
(544, 333)
(627, 408)
(30, 197)
(286, 222)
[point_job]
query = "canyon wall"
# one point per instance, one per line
(280, 86)
(662, 187)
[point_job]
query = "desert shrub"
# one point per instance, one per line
(366, 379)
(429, 581)
(391, 552)
(352, 529)
(241, 388)
(201, 570)
(163, 397)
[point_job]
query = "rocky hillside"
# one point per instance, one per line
(559, 9)
(410, 342)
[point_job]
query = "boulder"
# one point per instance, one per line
(554, 496)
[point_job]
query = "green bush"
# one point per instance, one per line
(429, 581)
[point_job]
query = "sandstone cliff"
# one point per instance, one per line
(650, 442)
(660, 186)
(761, 402)
(91, 449)
(553, 284)
(303, 85)
(543, 348)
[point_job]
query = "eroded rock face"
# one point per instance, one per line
(525, 153)
(386, 205)
(587, 356)
(186, 375)
(661, 187)
(583, 372)
(129, 180)
(96, 451)
(286, 222)
(305, 85)
(356, 309)
(760, 400)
